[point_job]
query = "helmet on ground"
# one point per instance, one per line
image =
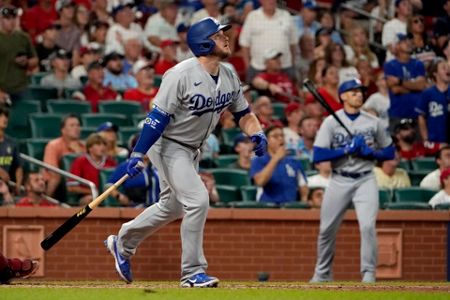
(199, 33)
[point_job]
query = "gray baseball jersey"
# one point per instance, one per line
(331, 135)
(196, 102)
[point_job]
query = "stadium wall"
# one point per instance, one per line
(239, 243)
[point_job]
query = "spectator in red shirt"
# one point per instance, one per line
(88, 166)
(329, 91)
(405, 133)
(273, 80)
(145, 92)
(168, 57)
(38, 18)
(35, 187)
(264, 112)
(94, 91)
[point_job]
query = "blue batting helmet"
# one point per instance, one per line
(199, 33)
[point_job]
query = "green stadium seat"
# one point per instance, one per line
(18, 122)
(278, 110)
(224, 160)
(385, 197)
(232, 177)
(296, 205)
(86, 131)
(416, 176)
(69, 93)
(443, 206)
(66, 106)
(95, 119)
(405, 165)
(37, 77)
(35, 148)
(252, 204)
(424, 163)
(413, 194)
(125, 133)
(228, 135)
(127, 108)
(306, 164)
(248, 192)
(67, 160)
(40, 93)
(45, 125)
(104, 176)
(408, 205)
(228, 193)
(157, 80)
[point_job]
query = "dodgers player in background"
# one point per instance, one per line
(352, 161)
(187, 108)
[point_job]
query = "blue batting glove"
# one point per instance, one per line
(135, 164)
(260, 141)
(366, 151)
(355, 145)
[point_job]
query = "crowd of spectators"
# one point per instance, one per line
(118, 50)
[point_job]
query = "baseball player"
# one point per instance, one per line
(352, 180)
(192, 96)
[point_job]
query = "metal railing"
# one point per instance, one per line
(90, 184)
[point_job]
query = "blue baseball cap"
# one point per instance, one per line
(310, 5)
(107, 126)
(397, 2)
(401, 37)
(349, 85)
(241, 138)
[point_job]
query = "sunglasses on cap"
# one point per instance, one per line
(9, 11)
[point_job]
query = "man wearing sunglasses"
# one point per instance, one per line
(17, 55)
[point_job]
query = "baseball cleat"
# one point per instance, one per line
(200, 280)
(368, 277)
(122, 264)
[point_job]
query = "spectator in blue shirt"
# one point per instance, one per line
(140, 191)
(405, 77)
(114, 76)
(280, 178)
(434, 107)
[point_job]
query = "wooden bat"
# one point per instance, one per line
(313, 90)
(73, 221)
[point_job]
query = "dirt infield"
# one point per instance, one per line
(152, 285)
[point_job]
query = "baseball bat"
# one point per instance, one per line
(313, 90)
(73, 221)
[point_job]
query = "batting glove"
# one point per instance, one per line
(355, 145)
(366, 151)
(135, 164)
(260, 141)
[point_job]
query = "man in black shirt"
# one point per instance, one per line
(46, 46)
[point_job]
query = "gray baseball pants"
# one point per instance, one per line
(183, 195)
(338, 195)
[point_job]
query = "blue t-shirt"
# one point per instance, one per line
(284, 183)
(141, 189)
(403, 105)
(435, 107)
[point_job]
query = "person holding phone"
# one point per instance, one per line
(18, 56)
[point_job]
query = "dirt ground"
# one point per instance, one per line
(152, 285)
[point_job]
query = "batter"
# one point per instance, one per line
(352, 161)
(187, 108)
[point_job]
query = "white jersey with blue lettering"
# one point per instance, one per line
(195, 102)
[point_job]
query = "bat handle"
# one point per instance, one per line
(96, 202)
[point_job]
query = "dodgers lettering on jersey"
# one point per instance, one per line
(195, 102)
(201, 105)
(331, 135)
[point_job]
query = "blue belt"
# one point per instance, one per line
(351, 175)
